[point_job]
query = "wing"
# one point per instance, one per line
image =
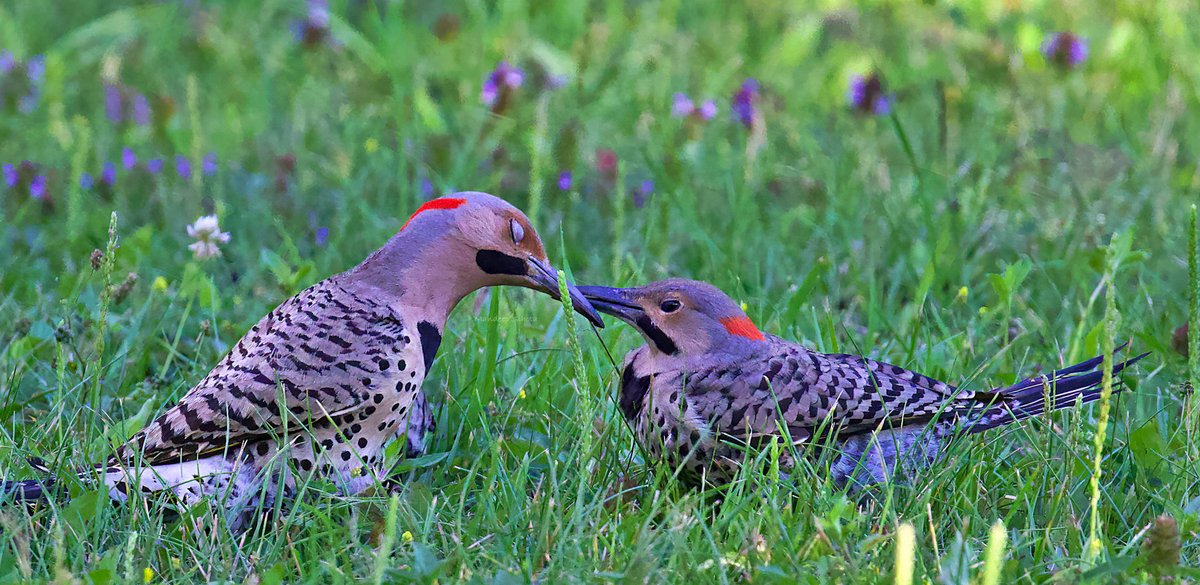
(804, 391)
(315, 357)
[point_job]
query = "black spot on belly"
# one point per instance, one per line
(431, 339)
(633, 392)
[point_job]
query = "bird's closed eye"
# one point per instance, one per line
(669, 306)
(518, 232)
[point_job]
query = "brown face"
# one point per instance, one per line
(677, 316)
(506, 245)
(525, 239)
(509, 252)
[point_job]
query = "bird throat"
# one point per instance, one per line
(421, 274)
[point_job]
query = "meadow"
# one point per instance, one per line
(978, 190)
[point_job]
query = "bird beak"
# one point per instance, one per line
(617, 302)
(544, 277)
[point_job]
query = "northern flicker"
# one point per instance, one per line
(325, 382)
(708, 384)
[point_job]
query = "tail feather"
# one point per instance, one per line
(1084, 366)
(28, 491)
(1081, 382)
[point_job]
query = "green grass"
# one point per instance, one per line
(967, 236)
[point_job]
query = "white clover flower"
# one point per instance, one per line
(208, 237)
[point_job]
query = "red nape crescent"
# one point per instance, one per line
(439, 203)
(742, 327)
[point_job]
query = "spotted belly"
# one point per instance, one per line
(349, 449)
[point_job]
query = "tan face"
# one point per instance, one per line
(525, 237)
(678, 317)
(505, 246)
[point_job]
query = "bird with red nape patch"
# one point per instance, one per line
(328, 380)
(708, 385)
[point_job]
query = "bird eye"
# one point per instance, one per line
(669, 306)
(518, 232)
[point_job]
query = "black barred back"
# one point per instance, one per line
(702, 412)
(319, 359)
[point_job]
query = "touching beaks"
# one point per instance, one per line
(544, 277)
(621, 303)
(617, 302)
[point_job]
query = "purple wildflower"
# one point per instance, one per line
(183, 166)
(154, 166)
(865, 95)
(35, 69)
(108, 174)
(426, 188)
(33, 72)
(499, 84)
(321, 236)
(86, 181)
(1065, 49)
(37, 187)
(682, 106)
(10, 175)
(318, 12)
(112, 103)
(313, 30)
(208, 166)
(28, 102)
(490, 92)
(744, 104)
(564, 181)
(21, 82)
(128, 158)
(141, 110)
(642, 193)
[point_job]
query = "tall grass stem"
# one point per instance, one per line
(1112, 319)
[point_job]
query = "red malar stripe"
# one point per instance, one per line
(439, 203)
(742, 326)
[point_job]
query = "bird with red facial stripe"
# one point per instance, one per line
(708, 384)
(325, 382)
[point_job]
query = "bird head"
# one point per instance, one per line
(481, 240)
(680, 317)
